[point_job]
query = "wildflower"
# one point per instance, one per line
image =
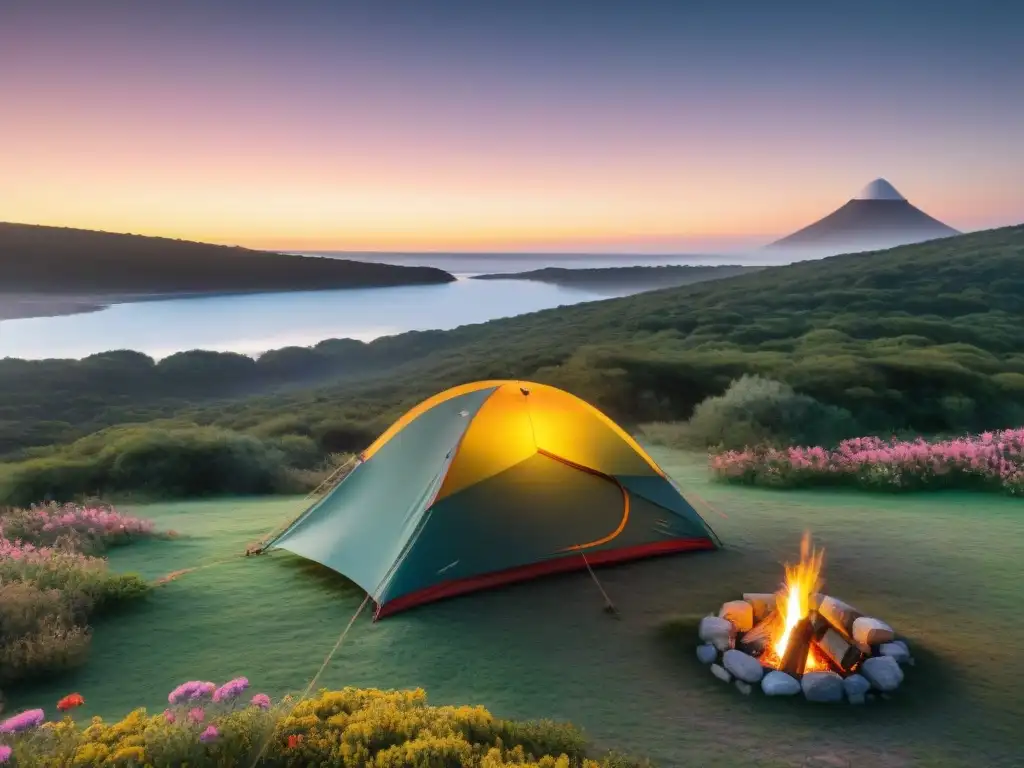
(169, 716)
(70, 701)
(231, 689)
(261, 700)
(5, 753)
(26, 721)
(201, 690)
(294, 740)
(194, 689)
(209, 734)
(196, 714)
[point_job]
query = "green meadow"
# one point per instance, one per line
(943, 569)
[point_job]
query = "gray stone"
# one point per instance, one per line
(822, 686)
(746, 668)
(868, 631)
(720, 673)
(896, 650)
(716, 631)
(777, 683)
(882, 672)
(762, 603)
(743, 688)
(739, 613)
(856, 686)
(707, 653)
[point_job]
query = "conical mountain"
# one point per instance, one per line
(877, 217)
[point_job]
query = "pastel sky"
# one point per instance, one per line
(498, 125)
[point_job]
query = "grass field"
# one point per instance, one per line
(945, 570)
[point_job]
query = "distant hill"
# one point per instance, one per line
(53, 260)
(877, 217)
(612, 278)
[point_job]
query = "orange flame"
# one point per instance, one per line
(793, 602)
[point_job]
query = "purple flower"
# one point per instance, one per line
(169, 716)
(231, 689)
(209, 734)
(24, 722)
(5, 753)
(194, 689)
(261, 700)
(201, 690)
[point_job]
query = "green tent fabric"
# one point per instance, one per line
(491, 483)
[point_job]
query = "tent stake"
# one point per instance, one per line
(609, 606)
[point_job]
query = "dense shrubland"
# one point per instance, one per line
(206, 725)
(53, 581)
(926, 338)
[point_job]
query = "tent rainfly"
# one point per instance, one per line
(491, 483)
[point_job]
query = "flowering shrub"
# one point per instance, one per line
(351, 727)
(85, 529)
(50, 584)
(990, 461)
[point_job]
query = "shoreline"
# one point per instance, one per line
(31, 305)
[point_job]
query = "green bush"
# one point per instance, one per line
(162, 462)
(759, 411)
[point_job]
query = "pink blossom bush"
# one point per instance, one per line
(89, 529)
(51, 584)
(990, 461)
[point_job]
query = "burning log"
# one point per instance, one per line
(843, 655)
(840, 615)
(759, 638)
(794, 660)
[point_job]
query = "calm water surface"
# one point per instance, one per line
(256, 323)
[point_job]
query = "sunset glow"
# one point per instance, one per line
(318, 126)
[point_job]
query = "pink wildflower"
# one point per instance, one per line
(25, 721)
(231, 689)
(261, 700)
(5, 753)
(196, 715)
(209, 734)
(169, 716)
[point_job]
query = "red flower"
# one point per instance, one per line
(294, 740)
(70, 701)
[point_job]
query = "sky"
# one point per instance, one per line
(437, 125)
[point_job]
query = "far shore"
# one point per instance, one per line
(22, 306)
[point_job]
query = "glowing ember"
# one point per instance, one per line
(793, 602)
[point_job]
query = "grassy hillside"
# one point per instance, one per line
(37, 259)
(927, 337)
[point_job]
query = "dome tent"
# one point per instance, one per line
(487, 484)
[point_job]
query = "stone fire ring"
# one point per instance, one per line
(878, 675)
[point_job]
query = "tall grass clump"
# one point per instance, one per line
(171, 462)
(991, 461)
(209, 725)
(52, 583)
(755, 411)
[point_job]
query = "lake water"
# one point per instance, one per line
(255, 323)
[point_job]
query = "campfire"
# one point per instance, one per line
(800, 639)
